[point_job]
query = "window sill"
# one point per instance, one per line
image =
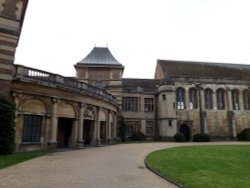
(31, 143)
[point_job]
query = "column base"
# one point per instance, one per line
(80, 144)
(111, 141)
(98, 142)
(52, 145)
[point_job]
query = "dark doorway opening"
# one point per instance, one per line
(64, 132)
(103, 131)
(88, 131)
(184, 129)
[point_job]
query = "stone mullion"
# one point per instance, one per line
(231, 115)
(214, 100)
(186, 100)
(241, 103)
(229, 100)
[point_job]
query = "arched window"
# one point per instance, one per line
(180, 98)
(235, 99)
(192, 98)
(246, 99)
(209, 99)
(220, 96)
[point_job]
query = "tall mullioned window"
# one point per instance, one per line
(208, 99)
(193, 104)
(148, 104)
(246, 99)
(31, 128)
(131, 127)
(130, 104)
(150, 130)
(220, 97)
(180, 98)
(235, 99)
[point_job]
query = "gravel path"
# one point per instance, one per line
(117, 166)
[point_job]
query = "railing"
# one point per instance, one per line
(22, 72)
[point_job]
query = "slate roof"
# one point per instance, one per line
(188, 69)
(137, 85)
(100, 56)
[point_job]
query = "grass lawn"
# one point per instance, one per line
(204, 166)
(11, 159)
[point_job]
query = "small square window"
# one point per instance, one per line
(164, 97)
(170, 123)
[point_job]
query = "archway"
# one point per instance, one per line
(184, 129)
(88, 131)
(64, 132)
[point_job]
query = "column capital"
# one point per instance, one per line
(54, 100)
(83, 105)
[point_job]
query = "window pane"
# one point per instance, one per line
(148, 104)
(193, 98)
(31, 128)
(220, 94)
(150, 128)
(208, 99)
(180, 98)
(235, 100)
(130, 104)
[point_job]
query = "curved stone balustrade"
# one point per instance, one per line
(31, 74)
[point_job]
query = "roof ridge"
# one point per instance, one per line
(202, 62)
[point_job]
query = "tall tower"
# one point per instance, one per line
(11, 19)
(101, 69)
(167, 112)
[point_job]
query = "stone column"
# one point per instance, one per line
(230, 116)
(80, 140)
(47, 132)
(18, 120)
(74, 134)
(202, 95)
(202, 111)
(204, 114)
(53, 125)
(114, 126)
(108, 130)
(186, 100)
(241, 100)
(229, 100)
(142, 104)
(97, 127)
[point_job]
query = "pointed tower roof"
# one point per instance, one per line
(100, 56)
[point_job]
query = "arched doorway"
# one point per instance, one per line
(64, 132)
(184, 129)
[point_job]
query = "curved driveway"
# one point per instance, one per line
(117, 166)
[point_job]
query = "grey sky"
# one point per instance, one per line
(59, 33)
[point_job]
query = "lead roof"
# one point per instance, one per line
(188, 69)
(100, 56)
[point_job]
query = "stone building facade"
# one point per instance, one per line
(12, 13)
(187, 97)
(55, 111)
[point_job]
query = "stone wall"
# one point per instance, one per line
(11, 19)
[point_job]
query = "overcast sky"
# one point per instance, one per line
(59, 33)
